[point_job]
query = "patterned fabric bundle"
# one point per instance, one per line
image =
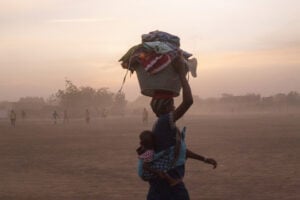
(163, 163)
(165, 160)
(147, 156)
(153, 62)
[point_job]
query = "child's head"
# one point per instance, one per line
(162, 106)
(146, 139)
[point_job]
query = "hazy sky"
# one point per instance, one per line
(242, 46)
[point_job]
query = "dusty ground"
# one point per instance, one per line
(258, 158)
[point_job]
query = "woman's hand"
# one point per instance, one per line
(179, 64)
(212, 162)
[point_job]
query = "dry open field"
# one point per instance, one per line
(258, 158)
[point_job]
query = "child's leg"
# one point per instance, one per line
(162, 175)
(170, 180)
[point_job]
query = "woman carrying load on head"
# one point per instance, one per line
(164, 133)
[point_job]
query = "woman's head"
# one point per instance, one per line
(146, 139)
(162, 106)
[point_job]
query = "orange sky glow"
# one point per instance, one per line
(242, 46)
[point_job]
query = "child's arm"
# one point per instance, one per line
(190, 154)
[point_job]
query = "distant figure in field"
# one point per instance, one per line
(55, 116)
(23, 114)
(145, 116)
(87, 116)
(103, 113)
(66, 117)
(13, 118)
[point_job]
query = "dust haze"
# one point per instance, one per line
(258, 157)
(88, 150)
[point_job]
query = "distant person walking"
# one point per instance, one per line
(145, 116)
(23, 114)
(55, 116)
(13, 118)
(104, 113)
(87, 116)
(66, 117)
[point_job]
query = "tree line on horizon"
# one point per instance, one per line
(76, 100)
(230, 103)
(252, 103)
(73, 99)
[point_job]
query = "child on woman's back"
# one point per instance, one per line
(146, 154)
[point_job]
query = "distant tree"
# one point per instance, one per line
(84, 97)
(104, 98)
(119, 104)
(226, 98)
(87, 97)
(280, 101)
(280, 98)
(293, 98)
(252, 98)
(31, 103)
(52, 100)
(69, 97)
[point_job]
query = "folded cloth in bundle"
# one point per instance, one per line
(172, 41)
(126, 57)
(153, 62)
(159, 47)
(162, 37)
(192, 66)
(157, 51)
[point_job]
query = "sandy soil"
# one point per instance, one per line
(258, 158)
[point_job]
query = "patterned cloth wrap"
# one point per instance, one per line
(164, 160)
